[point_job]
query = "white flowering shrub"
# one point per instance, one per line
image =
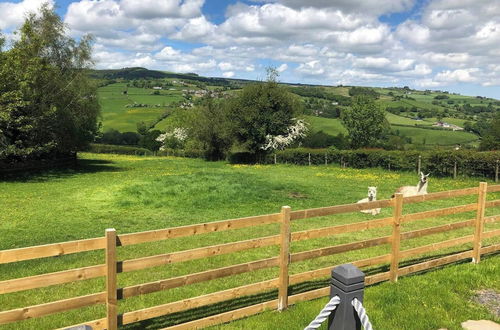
(173, 139)
(280, 142)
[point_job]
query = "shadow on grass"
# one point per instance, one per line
(229, 305)
(81, 166)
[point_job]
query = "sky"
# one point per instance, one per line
(451, 45)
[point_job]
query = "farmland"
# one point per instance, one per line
(144, 193)
(124, 107)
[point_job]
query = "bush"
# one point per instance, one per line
(114, 149)
(438, 163)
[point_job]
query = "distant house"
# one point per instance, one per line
(157, 87)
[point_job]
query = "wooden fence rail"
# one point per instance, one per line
(112, 266)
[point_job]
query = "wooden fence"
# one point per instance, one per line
(112, 295)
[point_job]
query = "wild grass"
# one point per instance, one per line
(133, 194)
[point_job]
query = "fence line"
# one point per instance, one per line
(112, 266)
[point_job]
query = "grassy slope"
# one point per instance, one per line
(135, 194)
(432, 137)
(116, 115)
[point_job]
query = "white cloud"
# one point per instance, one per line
(282, 67)
(13, 13)
(228, 74)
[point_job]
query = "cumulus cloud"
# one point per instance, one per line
(14, 13)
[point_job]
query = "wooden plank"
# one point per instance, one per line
(337, 209)
(434, 263)
(439, 212)
(328, 231)
(339, 248)
(227, 316)
(490, 248)
(51, 250)
(208, 275)
(44, 280)
(195, 302)
(284, 258)
(436, 229)
(494, 188)
(202, 228)
(53, 307)
(479, 223)
(309, 295)
(203, 252)
(111, 279)
(436, 246)
(440, 195)
(325, 272)
(377, 278)
(99, 324)
(491, 233)
(396, 236)
(493, 203)
(492, 219)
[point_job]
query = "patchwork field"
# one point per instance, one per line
(116, 115)
(143, 193)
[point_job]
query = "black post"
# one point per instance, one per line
(348, 282)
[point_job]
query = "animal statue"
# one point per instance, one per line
(372, 196)
(419, 189)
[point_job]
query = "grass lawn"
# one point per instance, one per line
(143, 193)
(441, 298)
(436, 137)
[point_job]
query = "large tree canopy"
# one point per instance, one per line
(364, 121)
(260, 110)
(47, 103)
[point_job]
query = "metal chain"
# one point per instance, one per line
(323, 315)
(363, 317)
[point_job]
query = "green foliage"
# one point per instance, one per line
(47, 103)
(321, 139)
(363, 91)
(113, 136)
(212, 129)
(438, 163)
(491, 140)
(365, 122)
(148, 140)
(259, 110)
(99, 148)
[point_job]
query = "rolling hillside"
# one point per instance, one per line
(411, 113)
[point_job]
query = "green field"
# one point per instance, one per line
(143, 193)
(418, 135)
(115, 115)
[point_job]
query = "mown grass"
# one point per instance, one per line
(142, 193)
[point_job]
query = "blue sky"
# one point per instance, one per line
(426, 44)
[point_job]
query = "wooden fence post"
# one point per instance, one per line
(479, 225)
(455, 170)
(284, 258)
(419, 164)
(396, 236)
(326, 158)
(309, 158)
(496, 171)
(111, 293)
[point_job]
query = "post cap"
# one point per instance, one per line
(348, 274)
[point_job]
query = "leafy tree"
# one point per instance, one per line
(260, 110)
(211, 127)
(491, 140)
(48, 105)
(365, 122)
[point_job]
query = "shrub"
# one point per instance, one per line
(115, 149)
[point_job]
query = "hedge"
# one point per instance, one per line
(117, 149)
(437, 162)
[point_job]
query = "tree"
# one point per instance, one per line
(491, 139)
(212, 129)
(261, 110)
(48, 105)
(365, 122)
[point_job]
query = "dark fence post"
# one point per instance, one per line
(348, 282)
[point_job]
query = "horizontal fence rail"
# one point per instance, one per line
(280, 284)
